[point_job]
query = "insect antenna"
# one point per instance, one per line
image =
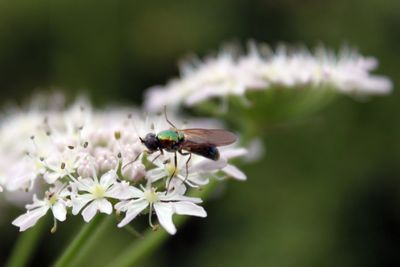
(166, 118)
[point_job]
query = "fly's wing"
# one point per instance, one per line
(210, 137)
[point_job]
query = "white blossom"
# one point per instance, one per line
(55, 200)
(91, 194)
(194, 176)
(164, 205)
(86, 160)
(232, 73)
(230, 169)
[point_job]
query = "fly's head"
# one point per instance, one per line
(151, 142)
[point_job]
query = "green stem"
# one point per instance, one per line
(25, 246)
(133, 232)
(82, 242)
(153, 239)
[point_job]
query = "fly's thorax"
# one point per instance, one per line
(170, 135)
(170, 139)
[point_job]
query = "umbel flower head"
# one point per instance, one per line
(233, 74)
(88, 162)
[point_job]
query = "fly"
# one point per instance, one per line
(199, 141)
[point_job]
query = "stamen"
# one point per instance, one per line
(54, 228)
(94, 173)
(150, 215)
(117, 135)
(73, 178)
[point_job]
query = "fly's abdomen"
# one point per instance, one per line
(213, 153)
(210, 152)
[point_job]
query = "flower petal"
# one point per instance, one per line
(79, 201)
(85, 184)
(51, 177)
(164, 213)
(156, 174)
(124, 205)
(108, 178)
(207, 165)
(123, 191)
(234, 172)
(37, 203)
(233, 153)
(59, 211)
(29, 219)
(177, 197)
(89, 212)
(103, 205)
(133, 211)
(188, 208)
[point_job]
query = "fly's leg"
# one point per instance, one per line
(161, 153)
(132, 161)
(166, 118)
(173, 173)
(187, 163)
(146, 151)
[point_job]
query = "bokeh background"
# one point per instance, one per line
(328, 191)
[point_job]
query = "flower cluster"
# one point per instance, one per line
(83, 161)
(231, 73)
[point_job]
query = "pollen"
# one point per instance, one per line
(151, 196)
(53, 198)
(171, 169)
(98, 191)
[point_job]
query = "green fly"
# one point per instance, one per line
(203, 142)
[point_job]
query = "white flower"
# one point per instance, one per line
(86, 165)
(61, 165)
(55, 200)
(105, 159)
(94, 194)
(134, 171)
(52, 150)
(197, 171)
(21, 175)
(262, 68)
(232, 170)
(164, 205)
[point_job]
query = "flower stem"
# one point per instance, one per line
(25, 246)
(153, 239)
(82, 242)
(133, 231)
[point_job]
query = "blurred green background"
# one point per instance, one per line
(327, 192)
